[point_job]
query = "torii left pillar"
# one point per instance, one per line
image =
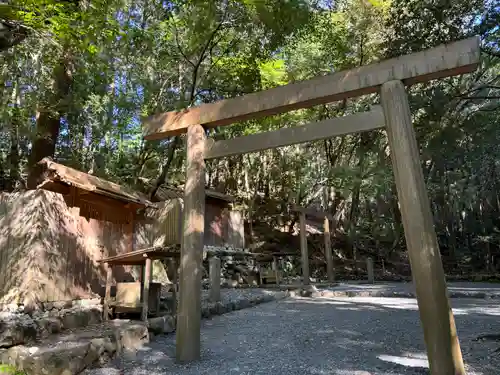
(189, 309)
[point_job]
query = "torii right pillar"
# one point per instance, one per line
(443, 348)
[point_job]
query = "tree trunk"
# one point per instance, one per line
(48, 119)
(14, 158)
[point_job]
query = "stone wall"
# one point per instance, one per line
(21, 324)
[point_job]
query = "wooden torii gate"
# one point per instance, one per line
(388, 78)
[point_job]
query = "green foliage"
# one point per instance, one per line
(10, 370)
(128, 59)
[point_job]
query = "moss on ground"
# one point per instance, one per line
(9, 370)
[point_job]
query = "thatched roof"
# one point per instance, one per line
(53, 176)
(166, 192)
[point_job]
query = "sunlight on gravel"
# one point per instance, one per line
(320, 336)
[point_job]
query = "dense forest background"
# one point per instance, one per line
(77, 77)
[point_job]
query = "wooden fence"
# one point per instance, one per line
(49, 253)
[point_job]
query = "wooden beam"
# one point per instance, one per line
(443, 348)
(312, 212)
(188, 337)
(359, 122)
(442, 61)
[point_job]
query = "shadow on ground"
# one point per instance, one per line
(341, 336)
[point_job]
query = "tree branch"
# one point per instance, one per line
(180, 48)
(165, 167)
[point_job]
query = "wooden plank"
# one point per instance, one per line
(148, 274)
(303, 249)
(442, 61)
(443, 348)
(188, 338)
(129, 234)
(137, 256)
(359, 122)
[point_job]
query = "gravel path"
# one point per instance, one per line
(462, 288)
(232, 294)
(338, 336)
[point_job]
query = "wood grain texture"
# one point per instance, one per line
(107, 293)
(442, 61)
(189, 316)
(359, 122)
(214, 272)
(443, 348)
(328, 251)
(148, 275)
(303, 250)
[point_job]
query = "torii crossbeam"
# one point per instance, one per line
(388, 78)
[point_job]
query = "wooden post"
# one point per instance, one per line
(443, 348)
(141, 280)
(214, 270)
(276, 270)
(369, 270)
(148, 273)
(328, 251)
(172, 264)
(107, 294)
(189, 309)
(303, 250)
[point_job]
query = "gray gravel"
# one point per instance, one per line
(338, 336)
(462, 289)
(232, 294)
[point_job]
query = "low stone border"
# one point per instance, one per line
(317, 293)
(166, 324)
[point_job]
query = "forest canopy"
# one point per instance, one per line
(78, 76)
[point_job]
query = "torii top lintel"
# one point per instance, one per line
(439, 62)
